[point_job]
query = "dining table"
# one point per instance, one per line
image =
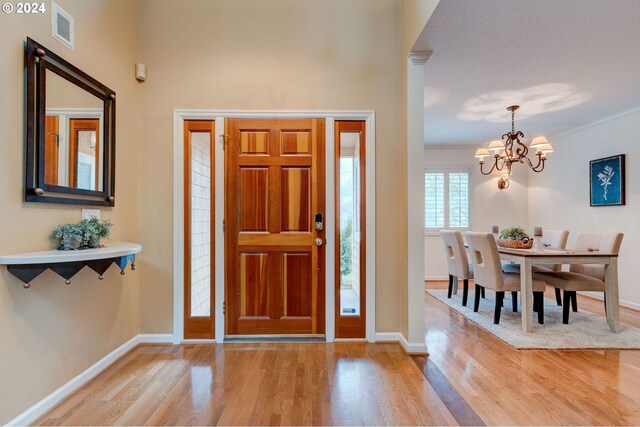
(527, 258)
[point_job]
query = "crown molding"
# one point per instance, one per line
(598, 121)
(419, 58)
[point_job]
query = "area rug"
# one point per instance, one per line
(584, 331)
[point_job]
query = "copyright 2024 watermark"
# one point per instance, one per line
(23, 8)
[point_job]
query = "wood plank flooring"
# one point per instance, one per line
(470, 377)
(257, 384)
(534, 387)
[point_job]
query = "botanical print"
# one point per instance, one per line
(607, 181)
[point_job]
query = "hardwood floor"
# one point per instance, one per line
(534, 387)
(263, 384)
(470, 377)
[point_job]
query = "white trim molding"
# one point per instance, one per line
(415, 197)
(600, 297)
(419, 58)
(155, 339)
(409, 348)
(598, 121)
(44, 405)
(179, 116)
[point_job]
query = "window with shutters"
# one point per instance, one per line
(447, 200)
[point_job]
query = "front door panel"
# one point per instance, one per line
(275, 187)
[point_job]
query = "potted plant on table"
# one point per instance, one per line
(84, 235)
(515, 237)
(69, 235)
(94, 230)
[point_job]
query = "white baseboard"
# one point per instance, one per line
(623, 303)
(436, 278)
(155, 338)
(410, 348)
(40, 408)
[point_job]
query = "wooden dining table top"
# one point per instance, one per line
(546, 252)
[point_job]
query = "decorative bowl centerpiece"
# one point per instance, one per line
(515, 238)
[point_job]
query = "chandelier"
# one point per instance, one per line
(510, 149)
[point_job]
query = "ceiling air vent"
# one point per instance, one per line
(62, 25)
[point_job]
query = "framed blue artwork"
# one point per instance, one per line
(606, 179)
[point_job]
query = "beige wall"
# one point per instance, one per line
(415, 14)
(52, 332)
(281, 54)
(559, 196)
(490, 206)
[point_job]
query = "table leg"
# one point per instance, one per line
(526, 294)
(611, 289)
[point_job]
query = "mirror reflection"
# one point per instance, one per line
(74, 148)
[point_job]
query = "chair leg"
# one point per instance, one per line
(535, 303)
(482, 291)
(498, 309)
(465, 292)
(450, 290)
(476, 300)
(574, 301)
(540, 297)
(558, 297)
(566, 300)
(605, 304)
(514, 301)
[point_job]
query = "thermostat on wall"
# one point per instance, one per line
(141, 72)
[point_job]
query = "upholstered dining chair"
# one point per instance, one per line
(582, 277)
(556, 239)
(487, 270)
(457, 262)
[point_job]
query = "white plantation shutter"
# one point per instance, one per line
(447, 200)
(458, 200)
(434, 210)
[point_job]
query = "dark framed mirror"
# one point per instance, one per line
(70, 132)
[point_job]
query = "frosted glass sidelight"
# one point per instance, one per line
(200, 224)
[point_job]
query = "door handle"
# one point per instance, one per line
(318, 241)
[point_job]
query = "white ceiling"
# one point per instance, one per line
(567, 63)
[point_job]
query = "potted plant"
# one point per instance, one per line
(69, 235)
(96, 230)
(515, 237)
(86, 234)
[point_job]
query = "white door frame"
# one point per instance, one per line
(179, 116)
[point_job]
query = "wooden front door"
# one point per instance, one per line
(274, 189)
(51, 150)
(84, 125)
